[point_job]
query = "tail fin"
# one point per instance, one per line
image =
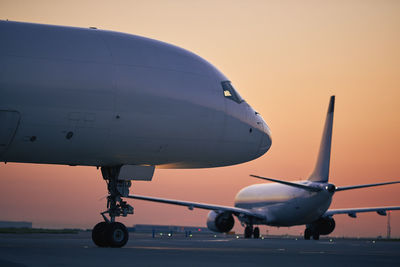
(321, 170)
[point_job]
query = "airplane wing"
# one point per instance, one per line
(353, 212)
(192, 205)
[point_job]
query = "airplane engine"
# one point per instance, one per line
(220, 222)
(325, 226)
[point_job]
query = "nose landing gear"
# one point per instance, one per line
(111, 233)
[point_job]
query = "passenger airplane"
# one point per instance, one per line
(285, 203)
(121, 102)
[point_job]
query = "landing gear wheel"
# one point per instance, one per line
(307, 234)
(256, 233)
(98, 234)
(315, 236)
(248, 231)
(117, 235)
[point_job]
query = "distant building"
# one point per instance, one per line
(149, 228)
(10, 224)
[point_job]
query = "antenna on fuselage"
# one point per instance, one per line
(321, 170)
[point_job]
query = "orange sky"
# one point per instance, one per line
(286, 58)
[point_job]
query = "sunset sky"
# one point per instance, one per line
(286, 58)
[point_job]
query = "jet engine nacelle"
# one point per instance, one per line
(220, 222)
(324, 226)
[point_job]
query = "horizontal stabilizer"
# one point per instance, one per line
(342, 188)
(302, 186)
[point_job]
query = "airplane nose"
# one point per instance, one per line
(266, 140)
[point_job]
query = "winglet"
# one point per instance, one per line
(321, 170)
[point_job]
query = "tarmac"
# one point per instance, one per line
(202, 250)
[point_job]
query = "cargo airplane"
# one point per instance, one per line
(119, 102)
(284, 203)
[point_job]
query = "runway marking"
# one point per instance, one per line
(312, 252)
(327, 243)
(207, 249)
(216, 240)
(182, 248)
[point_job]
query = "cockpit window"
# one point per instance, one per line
(230, 92)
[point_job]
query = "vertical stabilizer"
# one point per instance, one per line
(321, 170)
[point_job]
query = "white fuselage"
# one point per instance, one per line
(101, 98)
(284, 205)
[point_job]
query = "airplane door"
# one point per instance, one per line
(9, 121)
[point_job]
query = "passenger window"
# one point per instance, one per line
(230, 92)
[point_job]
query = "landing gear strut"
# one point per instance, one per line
(111, 233)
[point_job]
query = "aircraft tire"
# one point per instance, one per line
(307, 234)
(117, 235)
(98, 234)
(256, 233)
(248, 231)
(315, 236)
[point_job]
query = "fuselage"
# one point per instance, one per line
(99, 98)
(283, 205)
